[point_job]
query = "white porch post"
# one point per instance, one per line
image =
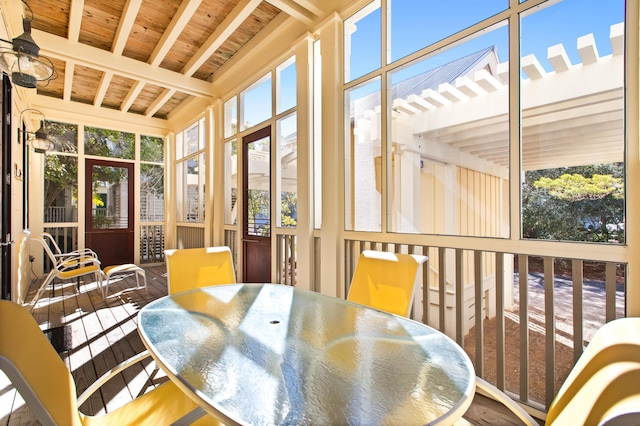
(331, 250)
(304, 226)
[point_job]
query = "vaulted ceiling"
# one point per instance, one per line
(147, 57)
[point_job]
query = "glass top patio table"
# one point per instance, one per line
(261, 354)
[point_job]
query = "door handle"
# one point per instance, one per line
(250, 241)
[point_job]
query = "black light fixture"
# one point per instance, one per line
(38, 140)
(22, 62)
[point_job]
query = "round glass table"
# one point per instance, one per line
(262, 354)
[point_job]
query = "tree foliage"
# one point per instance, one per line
(561, 204)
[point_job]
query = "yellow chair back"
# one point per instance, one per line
(386, 281)
(604, 385)
(34, 367)
(198, 267)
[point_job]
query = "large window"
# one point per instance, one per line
(61, 174)
(190, 173)
(435, 155)
(572, 101)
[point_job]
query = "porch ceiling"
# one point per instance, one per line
(147, 57)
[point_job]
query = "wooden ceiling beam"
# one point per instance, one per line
(233, 20)
(69, 68)
(131, 96)
(159, 102)
(75, 19)
(131, 9)
(310, 6)
(178, 23)
(102, 88)
(294, 9)
(82, 54)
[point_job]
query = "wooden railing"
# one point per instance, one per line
(522, 338)
(151, 243)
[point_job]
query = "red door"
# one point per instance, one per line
(109, 211)
(256, 232)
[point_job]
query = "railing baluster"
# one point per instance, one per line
(578, 330)
(610, 285)
(477, 263)
(523, 287)
(550, 330)
(459, 309)
(442, 286)
(500, 343)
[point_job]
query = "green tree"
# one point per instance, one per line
(559, 204)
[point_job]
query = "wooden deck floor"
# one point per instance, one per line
(93, 336)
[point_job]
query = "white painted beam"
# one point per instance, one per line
(102, 88)
(68, 80)
(558, 58)
(451, 93)
(75, 19)
(487, 81)
(616, 38)
(131, 96)
(129, 14)
(435, 98)
(469, 87)
(403, 106)
(587, 49)
(310, 6)
(532, 67)
(159, 102)
(419, 103)
(293, 9)
(82, 54)
(502, 71)
(233, 20)
(178, 23)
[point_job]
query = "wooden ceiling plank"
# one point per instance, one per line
(131, 96)
(293, 9)
(102, 88)
(102, 60)
(237, 16)
(131, 9)
(75, 19)
(171, 33)
(160, 100)
(68, 80)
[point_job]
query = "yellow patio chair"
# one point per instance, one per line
(68, 265)
(602, 388)
(41, 377)
(198, 267)
(604, 385)
(386, 281)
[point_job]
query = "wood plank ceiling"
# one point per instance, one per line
(147, 57)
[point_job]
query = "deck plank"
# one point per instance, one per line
(104, 333)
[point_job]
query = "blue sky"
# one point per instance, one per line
(417, 24)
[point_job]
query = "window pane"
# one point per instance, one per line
(110, 198)
(190, 184)
(151, 193)
(362, 42)
(362, 158)
(450, 142)
(573, 122)
(317, 135)
(258, 211)
(191, 139)
(231, 117)
(288, 172)
(64, 136)
(255, 103)
(231, 182)
(109, 143)
(286, 85)
(151, 149)
(60, 188)
(418, 24)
